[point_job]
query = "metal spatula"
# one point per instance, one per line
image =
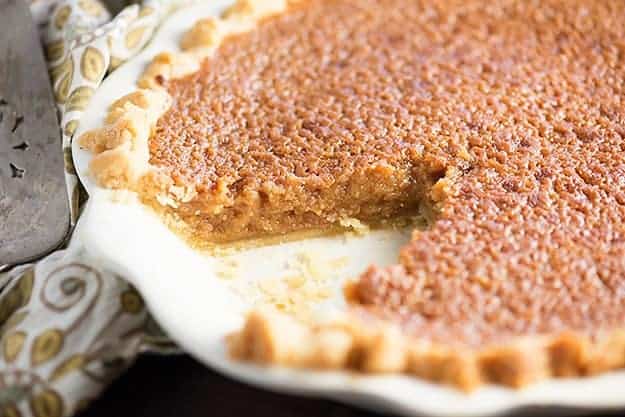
(34, 208)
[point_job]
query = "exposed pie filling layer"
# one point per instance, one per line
(505, 117)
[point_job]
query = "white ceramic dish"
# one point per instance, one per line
(198, 309)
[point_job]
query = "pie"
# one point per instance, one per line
(505, 120)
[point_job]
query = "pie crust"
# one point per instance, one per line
(370, 345)
(359, 340)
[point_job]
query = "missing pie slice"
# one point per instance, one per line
(505, 119)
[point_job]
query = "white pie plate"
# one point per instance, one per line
(198, 309)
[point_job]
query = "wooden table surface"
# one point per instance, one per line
(178, 386)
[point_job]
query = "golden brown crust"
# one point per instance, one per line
(273, 338)
(167, 65)
(120, 147)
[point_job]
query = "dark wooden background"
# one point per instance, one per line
(178, 386)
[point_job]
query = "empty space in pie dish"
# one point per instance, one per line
(304, 277)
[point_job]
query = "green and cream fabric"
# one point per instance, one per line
(67, 326)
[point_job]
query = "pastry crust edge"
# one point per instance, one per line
(371, 346)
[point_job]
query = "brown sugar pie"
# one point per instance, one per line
(505, 120)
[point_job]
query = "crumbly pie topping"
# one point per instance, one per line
(120, 147)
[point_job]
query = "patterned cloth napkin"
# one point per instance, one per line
(67, 328)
